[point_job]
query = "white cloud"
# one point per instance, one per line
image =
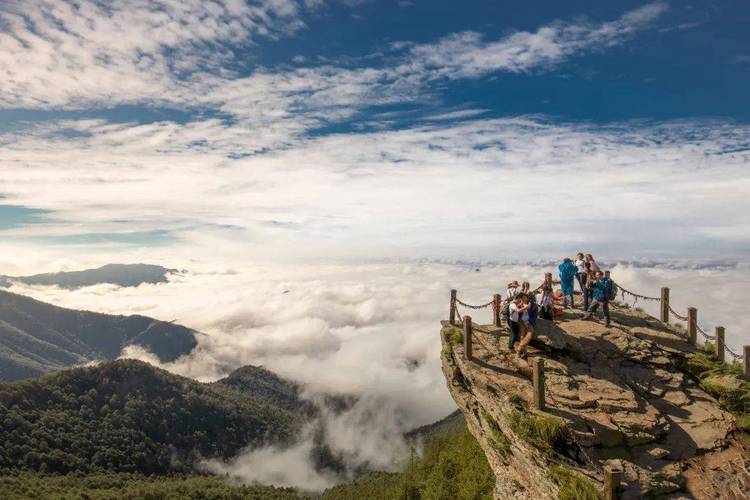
(367, 330)
(468, 55)
(648, 188)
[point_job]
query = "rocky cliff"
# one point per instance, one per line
(622, 397)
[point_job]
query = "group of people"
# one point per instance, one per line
(596, 288)
(522, 306)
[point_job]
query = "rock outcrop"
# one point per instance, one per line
(615, 396)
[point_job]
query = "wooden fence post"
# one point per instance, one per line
(664, 305)
(720, 354)
(467, 337)
(452, 315)
(538, 367)
(612, 480)
(496, 310)
(746, 360)
(692, 325)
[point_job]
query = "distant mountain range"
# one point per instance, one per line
(116, 274)
(128, 416)
(38, 338)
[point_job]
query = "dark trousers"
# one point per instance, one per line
(587, 299)
(515, 333)
(605, 308)
(582, 281)
(546, 313)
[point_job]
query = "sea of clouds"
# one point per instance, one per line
(370, 331)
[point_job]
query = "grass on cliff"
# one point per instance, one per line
(725, 382)
(454, 335)
(499, 440)
(545, 433)
(572, 486)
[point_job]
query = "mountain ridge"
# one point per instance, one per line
(38, 338)
(125, 275)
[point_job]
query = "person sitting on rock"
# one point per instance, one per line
(568, 272)
(528, 323)
(600, 291)
(546, 303)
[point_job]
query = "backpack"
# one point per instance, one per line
(613, 289)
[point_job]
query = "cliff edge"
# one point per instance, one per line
(619, 396)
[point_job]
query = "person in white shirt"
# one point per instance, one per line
(516, 310)
(546, 303)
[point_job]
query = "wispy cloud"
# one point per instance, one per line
(469, 55)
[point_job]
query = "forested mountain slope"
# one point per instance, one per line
(38, 338)
(128, 416)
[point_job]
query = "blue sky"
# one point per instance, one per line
(369, 128)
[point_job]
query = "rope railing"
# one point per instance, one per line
(693, 326)
(677, 315)
(475, 307)
(705, 335)
(637, 296)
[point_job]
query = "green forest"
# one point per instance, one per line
(127, 416)
(453, 466)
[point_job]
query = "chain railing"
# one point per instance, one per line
(676, 314)
(623, 291)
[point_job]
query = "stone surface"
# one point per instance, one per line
(621, 395)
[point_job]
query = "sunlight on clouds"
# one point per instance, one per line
(622, 187)
(363, 330)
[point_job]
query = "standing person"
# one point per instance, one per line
(526, 290)
(528, 324)
(515, 310)
(594, 266)
(581, 274)
(588, 278)
(510, 293)
(546, 304)
(568, 272)
(601, 290)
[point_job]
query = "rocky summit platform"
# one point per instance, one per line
(616, 398)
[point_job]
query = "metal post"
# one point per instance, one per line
(612, 480)
(538, 378)
(692, 325)
(452, 315)
(467, 337)
(664, 305)
(496, 309)
(746, 360)
(720, 353)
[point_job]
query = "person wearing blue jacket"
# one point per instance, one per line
(568, 272)
(600, 292)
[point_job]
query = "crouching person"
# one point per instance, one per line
(601, 290)
(528, 323)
